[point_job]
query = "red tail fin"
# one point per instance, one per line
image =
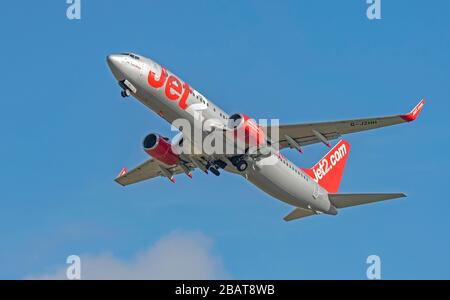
(328, 171)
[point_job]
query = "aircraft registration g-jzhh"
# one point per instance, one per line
(255, 148)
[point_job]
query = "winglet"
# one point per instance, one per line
(123, 172)
(413, 114)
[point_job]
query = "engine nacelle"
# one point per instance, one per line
(160, 148)
(247, 130)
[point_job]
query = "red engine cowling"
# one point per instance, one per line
(247, 130)
(160, 148)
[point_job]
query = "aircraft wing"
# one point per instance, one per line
(149, 169)
(306, 134)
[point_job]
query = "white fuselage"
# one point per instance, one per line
(275, 175)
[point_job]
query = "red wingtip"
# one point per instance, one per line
(123, 172)
(414, 113)
(172, 179)
(189, 175)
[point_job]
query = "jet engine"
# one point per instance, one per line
(160, 148)
(247, 130)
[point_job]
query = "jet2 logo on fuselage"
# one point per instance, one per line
(174, 90)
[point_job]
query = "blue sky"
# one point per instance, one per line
(66, 133)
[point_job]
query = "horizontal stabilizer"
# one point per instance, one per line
(346, 200)
(298, 213)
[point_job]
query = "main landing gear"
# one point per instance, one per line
(241, 165)
(214, 171)
(239, 162)
(215, 166)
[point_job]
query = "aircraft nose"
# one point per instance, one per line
(114, 63)
(113, 59)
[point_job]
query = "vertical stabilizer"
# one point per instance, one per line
(329, 170)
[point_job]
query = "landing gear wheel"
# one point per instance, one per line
(214, 171)
(242, 166)
(125, 93)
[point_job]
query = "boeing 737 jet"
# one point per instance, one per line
(255, 148)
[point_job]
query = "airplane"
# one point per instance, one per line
(311, 191)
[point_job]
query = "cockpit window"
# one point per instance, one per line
(131, 55)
